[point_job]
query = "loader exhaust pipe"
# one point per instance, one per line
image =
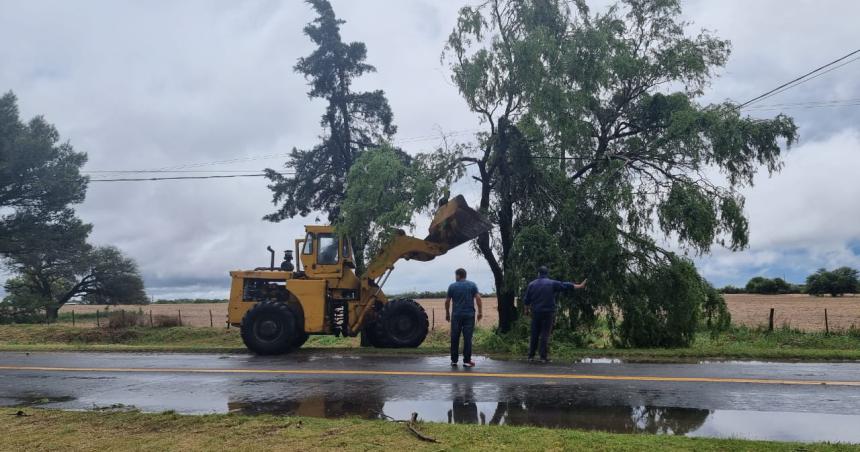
(272, 260)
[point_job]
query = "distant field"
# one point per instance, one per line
(798, 311)
(193, 314)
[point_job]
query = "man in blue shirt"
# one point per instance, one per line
(540, 300)
(465, 295)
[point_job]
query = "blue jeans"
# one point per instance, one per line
(541, 329)
(464, 324)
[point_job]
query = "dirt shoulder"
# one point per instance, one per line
(39, 429)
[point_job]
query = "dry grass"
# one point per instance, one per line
(802, 312)
(798, 311)
(162, 314)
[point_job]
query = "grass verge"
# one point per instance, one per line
(64, 430)
(737, 343)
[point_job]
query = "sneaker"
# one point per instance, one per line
(530, 359)
(453, 363)
(544, 361)
(468, 364)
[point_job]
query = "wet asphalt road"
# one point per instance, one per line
(787, 401)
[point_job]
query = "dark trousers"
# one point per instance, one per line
(541, 329)
(465, 325)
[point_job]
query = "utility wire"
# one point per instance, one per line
(167, 171)
(176, 178)
(792, 84)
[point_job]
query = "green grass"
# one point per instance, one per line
(738, 343)
(131, 430)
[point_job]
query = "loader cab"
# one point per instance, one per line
(323, 253)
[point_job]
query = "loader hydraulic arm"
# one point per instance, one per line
(453, 224)
(402, 246)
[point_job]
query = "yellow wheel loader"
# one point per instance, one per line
(277, 308)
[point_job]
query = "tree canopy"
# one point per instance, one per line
(595, 137)
(315, 179)
(42, 242)
(835, 283)
(386, 187)
(39, 175)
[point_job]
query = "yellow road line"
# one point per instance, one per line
(464, 374)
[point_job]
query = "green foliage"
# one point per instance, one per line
(662, 306)
(50, 278)
(732, 290)
(42, 242)
(39, 175)
(353, 122)
(385, 187)
(714, 310)
(21, 305)
(594, 131)
(835, 283)
(766, 286)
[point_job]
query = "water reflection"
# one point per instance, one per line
(463, 407)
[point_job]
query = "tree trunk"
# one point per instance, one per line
(52, 313)
(507, 310)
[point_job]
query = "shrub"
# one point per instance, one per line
(715, 311)
(165, 321)
(125, 319)
(732, 290)
(661, 306)
(766, 286)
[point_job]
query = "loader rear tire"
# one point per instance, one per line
(402, 324)
(269, 328)
(301, 338)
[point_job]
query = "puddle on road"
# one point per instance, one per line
(782, 426)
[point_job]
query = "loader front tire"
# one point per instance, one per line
(269, 328)
(402, 324)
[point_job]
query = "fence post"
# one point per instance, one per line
(98, 324)
(73, 316)
(826, 323)
(770, 321)
(180, 316)
(211, 325)
(433, 316)
(150, 318)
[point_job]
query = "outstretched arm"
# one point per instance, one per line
(480, 306)
(580, 285)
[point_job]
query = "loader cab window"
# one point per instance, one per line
(309, 244)
(347, 249)
(328, 250)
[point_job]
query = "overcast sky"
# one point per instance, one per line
(144, 85)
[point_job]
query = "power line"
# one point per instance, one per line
(798, 79)
(811, 78)
(223, 176)
(168, 171)
(805, 105)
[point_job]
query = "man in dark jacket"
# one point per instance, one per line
(540, 300)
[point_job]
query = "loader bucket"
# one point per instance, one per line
(456, 223)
